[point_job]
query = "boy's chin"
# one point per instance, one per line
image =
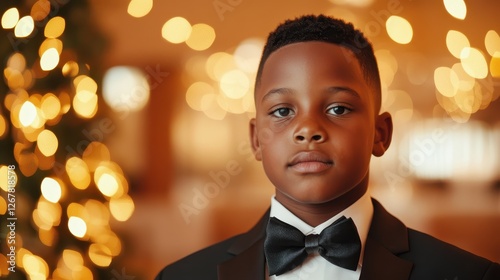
(312, 198)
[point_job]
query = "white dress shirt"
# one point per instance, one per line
(316, 267)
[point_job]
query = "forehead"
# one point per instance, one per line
(311, 62)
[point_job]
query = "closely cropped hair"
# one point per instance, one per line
(325, 29)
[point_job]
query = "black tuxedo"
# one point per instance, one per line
(392, 251)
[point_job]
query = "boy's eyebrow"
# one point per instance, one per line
(344, 89)
(275, 91)
(334, 89)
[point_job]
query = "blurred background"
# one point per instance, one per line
(124, 126)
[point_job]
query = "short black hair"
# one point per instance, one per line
(325, 29)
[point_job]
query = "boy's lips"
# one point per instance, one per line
(310, 162)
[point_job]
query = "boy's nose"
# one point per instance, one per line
(309, 131)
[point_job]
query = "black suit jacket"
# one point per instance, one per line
(392, 251)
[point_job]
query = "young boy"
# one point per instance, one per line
(317, 123)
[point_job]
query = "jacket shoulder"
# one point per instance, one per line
(434, 258)
(200, 264)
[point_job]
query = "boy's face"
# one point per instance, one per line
(316, 127)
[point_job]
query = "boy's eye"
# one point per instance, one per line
(338, 110)
(281, 112)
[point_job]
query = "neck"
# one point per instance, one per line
(316, 213)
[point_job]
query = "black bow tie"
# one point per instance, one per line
(286, 247)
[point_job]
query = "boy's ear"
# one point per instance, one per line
(255, 140)
(383, 134)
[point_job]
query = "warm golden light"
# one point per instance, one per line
(195, 93)
(47, 214)
(40, 10)
(3, 127)
(27, 114)
(495, 65)
(85, 104)
(474, 63)
(3, 205)
(84, 82)
(456, 8)
(218, 64)
(107, 184)
(51, 190)
(55, 27)
(399, 29)
(234, 84)
(443, 77)
(463, 81)
(70, 69)
(3, 177)
(125, 89)
(75, 209)
(492, 42)
(47, 237)
(354, 3)
(24, 27)
(35, 267)
(16, 61)
(49, 59)
(10, 18)
(94, 154)
(65, 102)
(111, 241)
(211, 108)
(388, 66)
(247, 54)
(201, 38)
(109, 180)
(456, 41)
(78, 173)
(121, 208)
(83, 274)
(50, 43)
(139, 8)
(77, 226)
(176, 30)
(100, 255)
(50, 106)
(47, 142)
(72, 259)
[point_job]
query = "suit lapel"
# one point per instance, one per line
(387, 238)
(248, 261)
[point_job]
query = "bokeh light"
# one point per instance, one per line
(51, 189)
(55, 27)
(201, 37)
(139, 8)
(10, 18)
(492, 42)
(47, 142)
(456, 41)
(24, 27)
(399, 29)
(49, 59)
(456, 8)
(176, 30)
(78, 173)
(40, 10)
(125, 89)
(121, 208)
(77, 226)
(247, 54)
(234, 84)
(474, 63)
(195, 93)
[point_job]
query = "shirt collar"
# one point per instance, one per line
(360, 211)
